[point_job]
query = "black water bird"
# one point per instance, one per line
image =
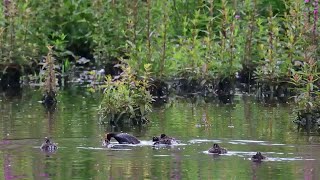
(122, 138)
(48, 145)
(257, 157)
(216, 149)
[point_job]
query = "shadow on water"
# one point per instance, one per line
(243, 128)
(50, 115)
(11, 94)
(125, 127)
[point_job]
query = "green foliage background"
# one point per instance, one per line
(179, 38)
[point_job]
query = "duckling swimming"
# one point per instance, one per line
(164, 139)
(155, 138)
(257, 157)
(48, 145)
(122, 138)
(216, 149)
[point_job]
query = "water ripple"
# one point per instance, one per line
(194, 141)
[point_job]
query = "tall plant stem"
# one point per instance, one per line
(223, 30)
(251, 27)
(164, 42)
(148, 31)
(135, 22)
(210, 25)
(271, 37)
(315, 20)
(232, 45)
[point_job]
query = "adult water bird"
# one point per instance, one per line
(122, 138)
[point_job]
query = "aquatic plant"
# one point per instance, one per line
(268, 72)
(50, 87)
(306, 83)
(306, 77)
(202, 43)
(231, 49)
(126, 97)
(16, 44)
(248, 17)
(293, 36)
(188, 53)
(108, 37)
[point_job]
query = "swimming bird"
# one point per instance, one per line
(155, 138)
(122, 138)
(257, 157)
(164, 139)
(216, 149)
(48, 145)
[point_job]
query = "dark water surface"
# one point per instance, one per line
(244, 128)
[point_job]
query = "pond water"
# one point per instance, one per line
(244, 128)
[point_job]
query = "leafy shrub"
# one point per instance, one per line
(126, 96)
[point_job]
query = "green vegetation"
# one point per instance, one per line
(49, 87)
(206, 43)
(179, 38)
(126, 97)
(306, 78)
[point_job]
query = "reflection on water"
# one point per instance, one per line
(244, 128)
